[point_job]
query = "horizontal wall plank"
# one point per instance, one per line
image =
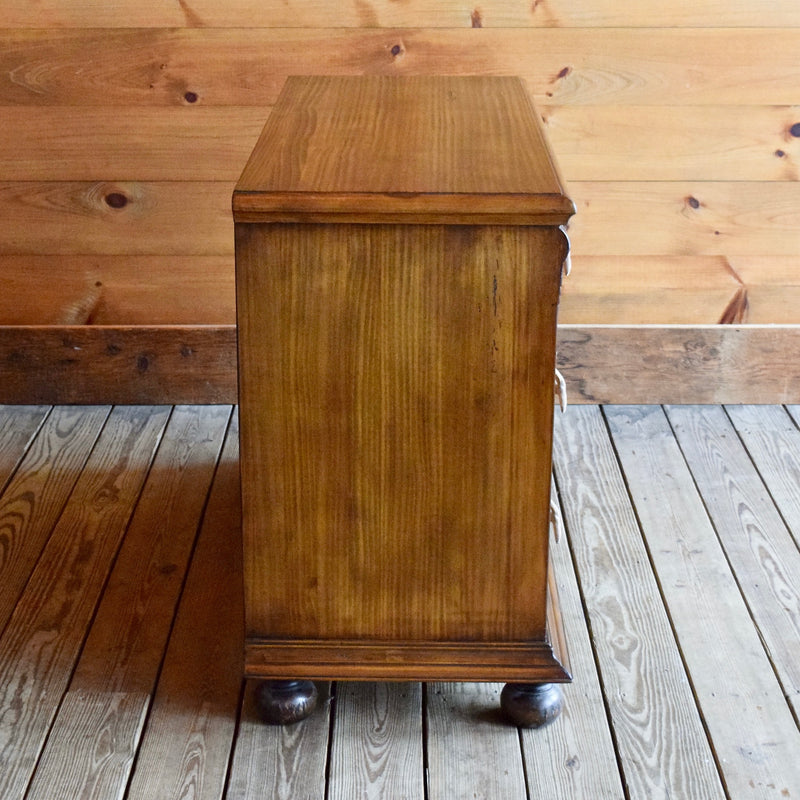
(592, 143)
(199, 290)
(117, 290)
(411, 13)
(247, 66)
(614, 218)
(773, 287)
(637, 364)
(635, 290)
(53, 143)
(185, 290)
(685, 218)
(116, 218)
(672, 143)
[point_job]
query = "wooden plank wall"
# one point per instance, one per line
(125, 126)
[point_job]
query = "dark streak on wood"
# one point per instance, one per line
(736, 311)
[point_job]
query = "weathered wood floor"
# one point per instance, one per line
(121, 617)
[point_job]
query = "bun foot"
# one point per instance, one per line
(284, 702)
(532, 705)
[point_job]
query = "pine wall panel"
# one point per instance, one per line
(125, 126)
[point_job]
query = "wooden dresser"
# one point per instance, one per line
(398, 268)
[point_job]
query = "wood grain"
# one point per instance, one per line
(605, 363)
(199, 290)
(54, 143)
(773, 441)
(679, 364)
(118, 290)
(191, 728)
(757, 543)
(471, 145)
(396, 378)
(43, 638)
(83, 364)
(34, 498)
(614, 218)
(208, 143)
(773, 288)
(105, 707)
(464, 719)
(659, 735)
(686, 218)
(642, 290)
(731, 674)
(279, 761)
(186, 746)
(247, 66)
(18, 426)
(131, 625)
(390, 659)
(421, 13)
(377, 358)
(574, 757)
(97, 734)
(674, 143)
(794, 412)
(115, 218)
(378, 747)
(133, 95)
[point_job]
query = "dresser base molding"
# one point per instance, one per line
(528, 662)
(404, 661)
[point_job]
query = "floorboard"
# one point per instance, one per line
(759, 547)
(121, 623)
(18, 426)
(44, 636)
(471, 749)
(33, 500)
(116, 673)
(662, 745)
(283, 763)
(576, 757)
(377, 748)
(772, 438)
(186, 744)
(730, 672)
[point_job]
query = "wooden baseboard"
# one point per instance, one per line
(647, 364)
(640, 364)
(126, 365)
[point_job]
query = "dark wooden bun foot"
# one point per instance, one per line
(284, 702)
(532, 705)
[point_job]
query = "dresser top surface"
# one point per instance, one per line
(387, 145)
